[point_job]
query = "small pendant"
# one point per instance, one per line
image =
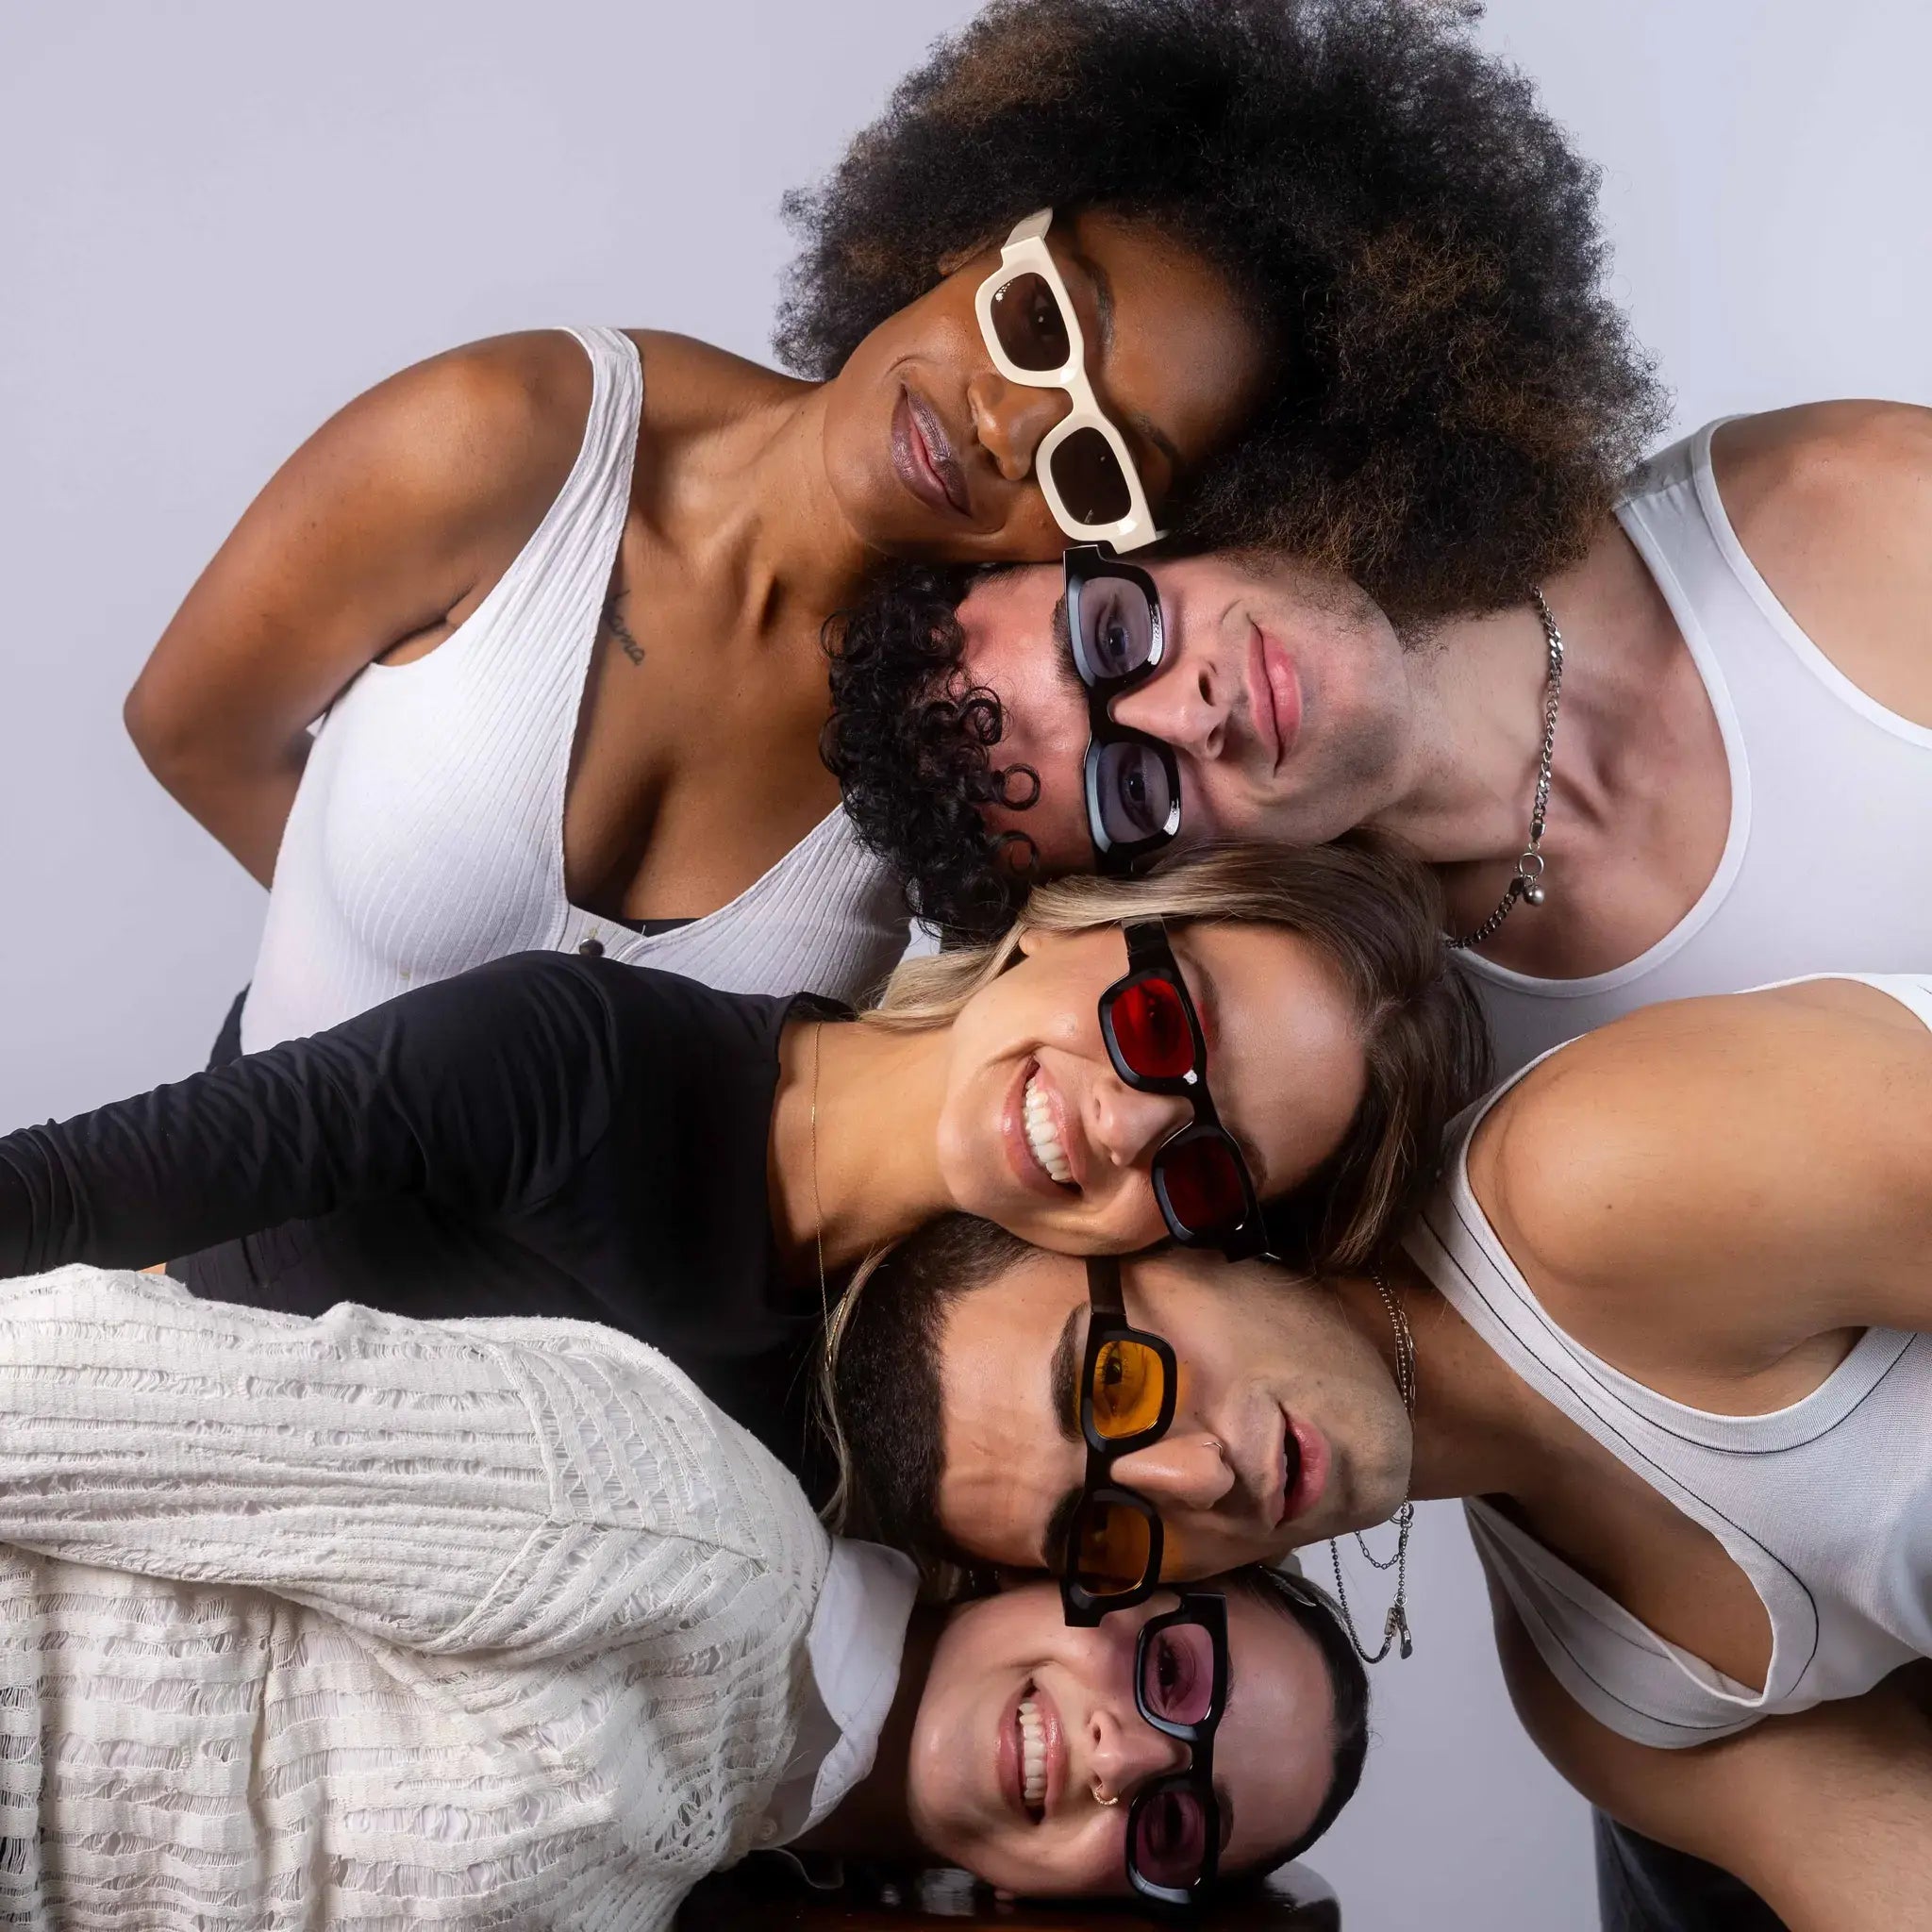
(1533, 894)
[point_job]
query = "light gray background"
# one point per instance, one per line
(221, 219)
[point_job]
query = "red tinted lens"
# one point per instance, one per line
(1203, 1179)
(1150, 1027)
(1171, 1838)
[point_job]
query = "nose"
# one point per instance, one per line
(1010, 419)
(1127, 1126)
(1124, 1751)
(1184, 704)
(1191, 1470)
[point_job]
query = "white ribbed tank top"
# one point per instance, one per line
(1826, 1505)
(1828, 855)
(427, 835)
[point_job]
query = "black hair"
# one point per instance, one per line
(1456, 398)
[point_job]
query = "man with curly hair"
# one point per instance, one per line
(1694, 759)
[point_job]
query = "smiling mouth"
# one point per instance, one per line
(1042, 1134)
(924, 457)
(1032, 1729)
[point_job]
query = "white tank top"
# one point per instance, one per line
(427, 832)
(1828, 855)
(1826, 1505)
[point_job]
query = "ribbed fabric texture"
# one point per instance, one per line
(1825, 1505)
(427, 834)
(363, 1623)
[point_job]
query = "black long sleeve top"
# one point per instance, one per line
(545, 1135)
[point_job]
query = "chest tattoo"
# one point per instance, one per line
(619, 631)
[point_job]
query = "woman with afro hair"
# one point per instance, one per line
(1311, 273)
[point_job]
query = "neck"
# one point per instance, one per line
(872, 1820)
(870, 1174)
(1477, 1426)
(1478, 687)
(755, 504)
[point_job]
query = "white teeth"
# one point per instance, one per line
(1042, 1138)
(1032, 1754)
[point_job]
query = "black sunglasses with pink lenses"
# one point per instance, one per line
(1180, 1687)
(1152, 1035)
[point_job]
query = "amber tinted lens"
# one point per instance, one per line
(1170, 1843)
(1202, 1180)
(1027, 320)
(1150, 1029)
(1090, 478)
(1111, 1545)
(1129, 1380)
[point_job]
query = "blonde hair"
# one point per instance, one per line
(1375, 912)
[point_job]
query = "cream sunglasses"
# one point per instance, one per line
(1033, 335)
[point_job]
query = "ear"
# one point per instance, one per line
(955, 259)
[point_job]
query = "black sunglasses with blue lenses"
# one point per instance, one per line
(1131, 782)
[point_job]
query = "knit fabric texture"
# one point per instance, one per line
(366, 1622)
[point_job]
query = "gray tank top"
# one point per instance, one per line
(1825, 1505)
(1827, 786)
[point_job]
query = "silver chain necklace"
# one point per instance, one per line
(1395, 1626)
(1528, 882)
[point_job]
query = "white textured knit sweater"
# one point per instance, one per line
(364, 1623)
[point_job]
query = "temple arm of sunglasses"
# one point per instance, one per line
(1104, 1284)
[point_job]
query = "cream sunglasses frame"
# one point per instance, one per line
(1025, 253)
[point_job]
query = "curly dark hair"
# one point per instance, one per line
(1457, 397)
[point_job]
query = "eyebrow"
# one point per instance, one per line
(1063, 638)
(1062, 1392)
(1103, 301)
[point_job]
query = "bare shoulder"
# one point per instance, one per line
(1832, 502)
(691, 385)
(491, 424)
(1671, 1138)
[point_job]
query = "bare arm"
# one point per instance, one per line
(370, 536)
(1827, 1815)
(1832, 503)
(1707, 1184)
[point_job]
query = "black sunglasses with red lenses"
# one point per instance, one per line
(1131, 782)
(1180, 1687)
(1153, 1037)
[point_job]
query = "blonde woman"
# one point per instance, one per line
(1247, 1051)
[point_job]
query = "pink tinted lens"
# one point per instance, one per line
(1177, 1674)
(1203, 1184)
(1171, 1838)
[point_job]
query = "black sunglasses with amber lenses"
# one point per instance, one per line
(1131, 782)
(1152, 1035)
(1111, 1552)
(1180, 1687)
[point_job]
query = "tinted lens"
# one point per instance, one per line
(1026, 319)
(1177, 1674)
(1112, 1545)
(1090, 478)
(1133, 796)
(1129, 1380)
(1150, 1027)
(1116, 629)
(1202, 1180)
(1169, 1842)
